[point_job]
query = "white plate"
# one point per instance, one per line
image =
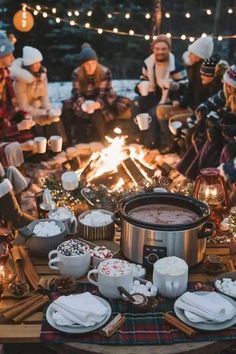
(78, 328)
(213, 326)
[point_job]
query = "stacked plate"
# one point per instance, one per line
(78, 328)
(199, 317)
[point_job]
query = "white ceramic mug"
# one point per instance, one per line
(55, 143)
(144, 87)
(69, 266)
(170, 282)
(108, 283)
(69, 181)
(143, 120)
(175, 126)
(69, 219)
(41, 144)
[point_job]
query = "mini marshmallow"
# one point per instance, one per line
(96, 218)
(46, 228)
(227, 286)
(61, 214)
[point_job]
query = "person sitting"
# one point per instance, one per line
(31, 88)
(93, 97)
(166, 77)
(213, 135)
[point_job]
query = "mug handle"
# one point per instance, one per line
(92, 271)
(49, 143)
(53, 260)
(149, 119)
(74, 225)
(135, 121)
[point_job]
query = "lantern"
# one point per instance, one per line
(23, 20)
(210, 188)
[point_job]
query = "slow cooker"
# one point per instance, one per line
(144, 242)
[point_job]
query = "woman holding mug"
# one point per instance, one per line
(92, 97)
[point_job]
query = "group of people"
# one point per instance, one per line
(197, 95)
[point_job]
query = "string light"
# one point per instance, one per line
(187, 15)
(147, 16)
(69, 13)
(115, 30)
(230, 11)
(45, 14)
(203, 35)
(168, 35)
(209, 12)
(54, 10)
(219, 38)
(154, 38)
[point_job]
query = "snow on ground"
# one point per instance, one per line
(59, 91)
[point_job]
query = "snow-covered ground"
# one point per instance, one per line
(59, 91)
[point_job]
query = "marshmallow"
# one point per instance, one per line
(46, 228)
(96, 218)
(227, 286)
(115, 267)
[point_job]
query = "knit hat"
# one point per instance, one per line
(230, 76)
(31, 55)
(87, 53)
(202, 47)
(209, 65)
(6, 47)
(162, 38)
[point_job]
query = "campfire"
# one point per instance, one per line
(118, 165)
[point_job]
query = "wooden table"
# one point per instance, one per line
(29, 330)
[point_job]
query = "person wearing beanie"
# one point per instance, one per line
(31, 88)
(166, 78)
(202, 48)
(13, 125)
(93, 99)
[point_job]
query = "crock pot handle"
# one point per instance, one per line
(116, 218)
(207, 230)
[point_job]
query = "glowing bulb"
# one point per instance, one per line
(147, 37)
(76, 13)
(45, 14)
(35, 12)
(204, 35)
(100, 30)
(131, 32)
(230, 11)
(167, 15)
(72, 22)
(209, 12)
(115, 30)
(168, 35)
(87, 25)
(109, 15)
(58, 20)
(54, 10)
(183, 37)
(154, 37)
(89, 13)
(147, 16)
(191, 39)
(69, 13)
(187, 15)
(220, 38)
(127, 16)
(38, 7)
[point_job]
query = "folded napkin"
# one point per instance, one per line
(207, 307)
(84, 309)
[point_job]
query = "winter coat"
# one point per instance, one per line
(176, 71)
(111, 104)
(31, 90)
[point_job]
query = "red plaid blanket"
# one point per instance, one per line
(145, 326)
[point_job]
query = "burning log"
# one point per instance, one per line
(132, 170)
(150, 172)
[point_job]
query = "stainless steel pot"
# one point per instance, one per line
(145, 243)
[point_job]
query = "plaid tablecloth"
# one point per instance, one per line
(142, 326)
